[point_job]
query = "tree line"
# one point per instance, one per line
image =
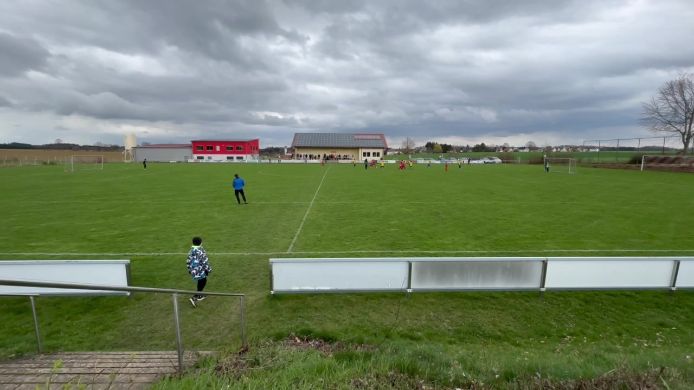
(62, 146)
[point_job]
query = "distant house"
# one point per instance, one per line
(339, 146)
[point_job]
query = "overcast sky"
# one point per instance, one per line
(459, 71)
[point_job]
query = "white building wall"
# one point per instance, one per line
(371, 153)
(224, 158)
(161, 154)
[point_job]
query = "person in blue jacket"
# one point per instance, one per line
(238, 188)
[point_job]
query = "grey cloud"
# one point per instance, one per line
(104, 105)
(444, 68)
(20, 55)
(5, 102)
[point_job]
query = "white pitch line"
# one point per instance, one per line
(301, 226)
(341, 252)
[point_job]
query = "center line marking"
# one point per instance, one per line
(301, 225)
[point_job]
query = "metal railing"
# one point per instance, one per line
(174, 294)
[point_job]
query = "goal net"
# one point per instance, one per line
(670, 163)
(84, 162)
(560, 165)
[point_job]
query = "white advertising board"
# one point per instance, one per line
(608, 273)
(325, 275)
(96, 272)
(477, 274)
(685, 275)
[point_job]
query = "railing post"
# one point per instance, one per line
(242, 314)
(36, 323)
(179, 343)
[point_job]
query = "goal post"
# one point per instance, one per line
(78, 162)
(560, 165)
(667, 162)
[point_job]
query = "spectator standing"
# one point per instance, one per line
(199, 268)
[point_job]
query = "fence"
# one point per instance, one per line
(621, 149)
(316, 275)
(174, 294)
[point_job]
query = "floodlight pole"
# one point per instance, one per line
(617, 151)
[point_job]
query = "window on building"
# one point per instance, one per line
(209, 147)
(239, 147)
(200, 157)
(368, 154)
(217, 148)
(230, 148)
(377, 154)
(230, 158)
(239, 158)
(199, 147)
(363, 154)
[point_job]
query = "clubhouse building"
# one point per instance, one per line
(339, 146)
(225, 150)
(200, 151)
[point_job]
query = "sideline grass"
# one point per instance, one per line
(477, 211)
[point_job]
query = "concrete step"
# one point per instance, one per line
(92, 370)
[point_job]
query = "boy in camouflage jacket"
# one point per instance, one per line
(198, 267)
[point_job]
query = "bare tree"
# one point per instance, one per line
(672, 109)
(408, 145)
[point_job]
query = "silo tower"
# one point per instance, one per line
(130, 143)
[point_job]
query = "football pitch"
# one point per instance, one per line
(339, 210)
(475, 210)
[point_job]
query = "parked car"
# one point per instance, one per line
(487, 160)
(491, 160)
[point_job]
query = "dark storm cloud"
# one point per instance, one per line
(465, 69)
(20, 55)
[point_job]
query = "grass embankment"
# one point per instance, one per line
(359, 340)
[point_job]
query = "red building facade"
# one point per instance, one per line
(223, 150)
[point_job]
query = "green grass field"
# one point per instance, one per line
(439, 339)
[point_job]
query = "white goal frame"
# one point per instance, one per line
(570, 163)
(73, 162)
(685, 160)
